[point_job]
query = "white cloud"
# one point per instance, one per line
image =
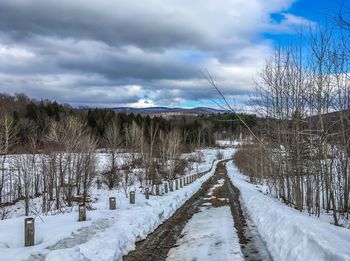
(293, 20)
(135, 52)
(142, 103)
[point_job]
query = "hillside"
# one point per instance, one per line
(168, 112)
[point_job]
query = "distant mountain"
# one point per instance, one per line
(166, 111)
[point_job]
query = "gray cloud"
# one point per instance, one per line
(119, 52)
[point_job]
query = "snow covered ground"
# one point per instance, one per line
(107, 234)
(289, 234)
(209, 235)
(227, 143)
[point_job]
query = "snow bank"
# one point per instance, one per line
(289, 234)
(106, 235)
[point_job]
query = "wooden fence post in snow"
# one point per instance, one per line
(177, 184)
(44, 207)
(82, 213)
(29, 232)
(147, 193)
(98, 183)
(132, 197)
(165, 188)
(112, 203)
(171, 185)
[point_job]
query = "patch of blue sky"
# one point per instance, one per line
(194, 56)
(316, 11)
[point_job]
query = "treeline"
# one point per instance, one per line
(304, 142)
(32, 115)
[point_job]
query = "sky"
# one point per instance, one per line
(111, 53)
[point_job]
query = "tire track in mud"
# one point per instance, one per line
(252, 245)
(157, 245)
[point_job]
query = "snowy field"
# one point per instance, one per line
(227, 143)
(102, 164)
(107, 234)
(289, 234)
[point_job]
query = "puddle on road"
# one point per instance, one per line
(216, 196)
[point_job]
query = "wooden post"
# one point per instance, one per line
(171, 185)
(44, 208)
(177, 184)
(112, 203)
(98, 183)
(29, 232)
(157, 189)
(181, 185)
(82, 213)
(165, 187)
(147, 193)
(132, 197)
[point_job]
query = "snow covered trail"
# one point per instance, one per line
(210, 226)
(289, 234)
(202, 229)
(221, 230)
(210, 233)
(208, 236)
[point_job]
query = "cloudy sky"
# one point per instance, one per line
(142, 53)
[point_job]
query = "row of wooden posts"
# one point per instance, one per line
(29, 225)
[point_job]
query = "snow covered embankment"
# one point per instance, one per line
(106, 235)
(289, 234)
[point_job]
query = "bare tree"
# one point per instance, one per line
(88, 146)
(113, 140)
(8, 139)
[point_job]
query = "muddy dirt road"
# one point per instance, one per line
(187, 235)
